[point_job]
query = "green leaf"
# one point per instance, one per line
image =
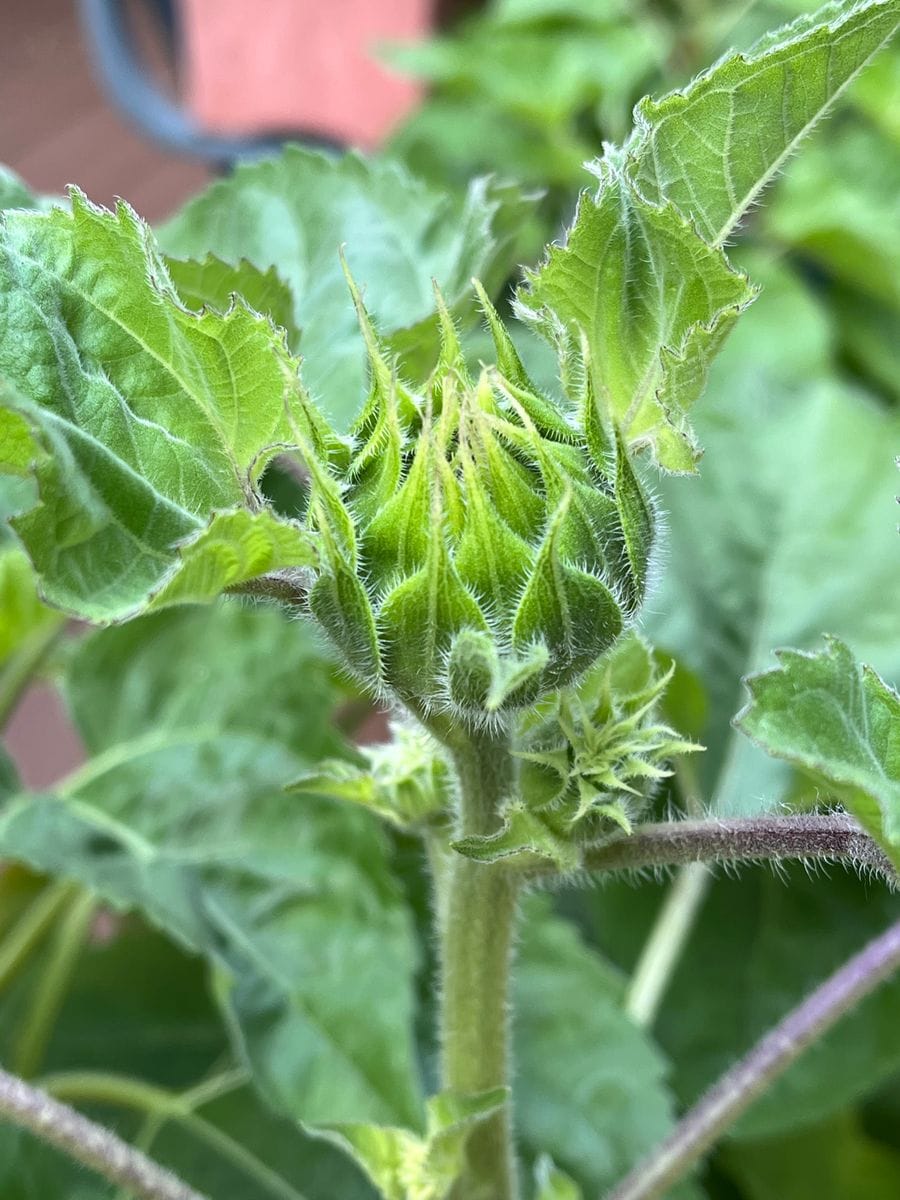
(14, 193)
(289, 898)
(406, 780)
(761, 943)
(530, 838)
(160, 1030)
(826, 1162)
(839, 723)
(211, 283)
(654, 303)
(405, 1166)
(553, 1184)
(789, 532)
(711, 148)
(294, 212)
(150, 419)
(22, 615)
(180, 669)
(589, 1085)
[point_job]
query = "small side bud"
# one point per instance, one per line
(482, 683)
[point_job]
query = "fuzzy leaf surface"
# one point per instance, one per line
(294, 213)
(654, 303)
(211, 283)
(837, 721)
(712, 147)
(796, 504)
(148, 419)
(406, 1166)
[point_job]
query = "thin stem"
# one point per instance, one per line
(833, 837)
(53, 984)
(476, 943)
(123, 1091)
(671, 931)
(665, 945)
(30, 929)
(768, 1059)
(88, 1143)
(155, 1121)
(18, 672)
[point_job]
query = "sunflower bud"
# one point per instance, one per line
(484, 545)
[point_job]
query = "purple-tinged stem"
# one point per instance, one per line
(88, 1143)
(770, 1057)
(830, 837)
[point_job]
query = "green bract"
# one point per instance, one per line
(481, 545)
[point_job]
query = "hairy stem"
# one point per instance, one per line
(479, 911)
(831, 837)
(666, 943)
(768, 1059)
(88, 1143)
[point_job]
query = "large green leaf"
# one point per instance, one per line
(160, 1030)
(712, 147)
(654, 303)
(788, 533)
(150, 425)
(832, 1161)
(839, 723)
(589, 1085)
(760, 945)
(181, 815)
(294, 213)
(230, 667)
(838, 208)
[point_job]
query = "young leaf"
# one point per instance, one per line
(654, 303)
(529, 838)
(839, 723)
(799, 474)
(294, 212)
(148, 419)
(406, 780)
(211, 283)
(405, 1166)
(711, 148)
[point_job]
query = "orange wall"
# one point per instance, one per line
(261, 65)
